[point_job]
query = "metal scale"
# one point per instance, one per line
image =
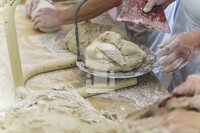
(146, 67)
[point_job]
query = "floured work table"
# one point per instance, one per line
(38, 48)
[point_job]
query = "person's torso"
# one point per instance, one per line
(192, 13)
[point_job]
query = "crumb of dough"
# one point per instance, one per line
(114, 116)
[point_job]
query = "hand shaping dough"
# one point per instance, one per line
(175, 114)
(111, 53)
(45, 4)
(87, 33)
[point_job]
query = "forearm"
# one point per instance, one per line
(90, 9)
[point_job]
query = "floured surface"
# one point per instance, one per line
(38, 48)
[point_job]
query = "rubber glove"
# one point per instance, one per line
(46, 17)
(31, 5)
(151, 3)
(179, 50)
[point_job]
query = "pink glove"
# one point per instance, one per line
(31, 5)
(190, 87)
(46, 17)
(151, 3)
(179, 50)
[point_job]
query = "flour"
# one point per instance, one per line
(56, 104)
(50, 111)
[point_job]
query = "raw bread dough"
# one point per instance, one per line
(88, 32)
(111, 53)
(175, 114)
(45, 4)
(52, 111)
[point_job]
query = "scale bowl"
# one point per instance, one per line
(145, 68)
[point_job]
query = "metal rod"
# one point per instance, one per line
(76, 29)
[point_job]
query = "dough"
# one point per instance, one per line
(52, 111)
(88, 32)
(45, 4)
(111, 53)
(174, 114)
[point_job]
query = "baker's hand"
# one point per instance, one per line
(31, 5)
(191, 87)
(46, 17)
(151, 3)
(179, 50)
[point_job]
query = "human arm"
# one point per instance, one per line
(151, 3)
(47, 17)
(179, 50)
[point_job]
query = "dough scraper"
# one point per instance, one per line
(133, 13)
(145, 68)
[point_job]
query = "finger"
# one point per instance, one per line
(172, 71)
(165, 51)
(183, 64)
(169, 48)
(35, 5)
(150, 4)
(167, 60)
(50, 1)
(37, 20)
(29, 9)
(174, 65)
(166, 42)
(37, 15)
(183, 89)
(38, 25)
(194, 102)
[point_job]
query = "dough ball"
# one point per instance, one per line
(45, 4)
(111, 53)
(88, 32)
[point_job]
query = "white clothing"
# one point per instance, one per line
(188, 20)
(152, 38)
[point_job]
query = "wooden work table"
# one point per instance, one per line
(147, 91)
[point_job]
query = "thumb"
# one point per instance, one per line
(150, 4)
